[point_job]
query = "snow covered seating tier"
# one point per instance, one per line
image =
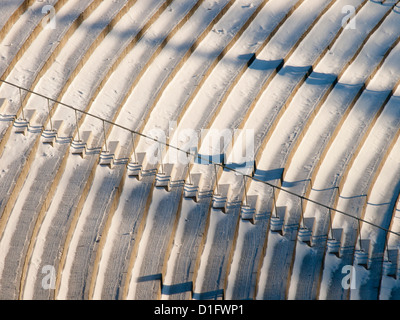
(256, 47)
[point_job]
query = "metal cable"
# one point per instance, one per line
(188, 153)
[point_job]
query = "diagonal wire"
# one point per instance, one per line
(207, 159)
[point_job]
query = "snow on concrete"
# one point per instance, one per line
(279, 144)
(112, 41)
(128, 22)
(20, 32)
(155, 106)
(178, 91)
(8, 8)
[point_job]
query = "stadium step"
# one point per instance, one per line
(107, 156)
(220, 198)
(80, 146)
(333, 244)
(50, 135)
(135, 167)
(163, 177)
(277, 220)
(21, 125)
(305, 232)
(248, 210)
(361, 255)
(191, 189)
(276, 224)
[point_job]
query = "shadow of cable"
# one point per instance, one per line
(177, 288)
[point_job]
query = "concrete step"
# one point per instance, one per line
(190, 190)
(276, 224)
(135, 167)
(49, 136)
(362, 253)
(248, 210)
(219, 199)
(333, 244)
(278, 220)
(80, 146)
(22, 125)
(305, 232)
(163, 176)
(107, 157)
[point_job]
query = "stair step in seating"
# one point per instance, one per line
(79, 146)
(22, 125)
(277, 220)
(134, 168)
(107, 157)
(190, 190)
(219, 199)
(305, 232)
(49, 136)
(361, 255)
(248, 210)
(163, 179)
(333, 244)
